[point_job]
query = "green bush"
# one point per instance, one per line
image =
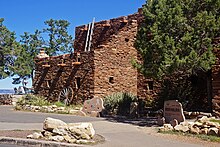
(59, 104)
(30, 99)
(119, 103)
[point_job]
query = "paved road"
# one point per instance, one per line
(116, 134)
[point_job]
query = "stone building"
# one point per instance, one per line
(103, 69)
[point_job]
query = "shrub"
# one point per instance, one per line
(59, 104)
(30, 99)
(119, 103)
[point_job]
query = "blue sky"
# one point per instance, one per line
(28, 15)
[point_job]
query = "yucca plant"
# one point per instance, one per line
(119, 103)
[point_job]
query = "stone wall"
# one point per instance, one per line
(105, 69)
(113, 46)
(53, 74)
(6, 99)
(216, 80)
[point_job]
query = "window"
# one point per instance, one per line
(78, 57)
(150, 85)
(77, 82)
(126, 39)
(111, 80)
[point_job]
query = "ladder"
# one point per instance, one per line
(89, 36)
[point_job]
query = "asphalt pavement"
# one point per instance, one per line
(116, 133)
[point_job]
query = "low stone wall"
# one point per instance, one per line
(6, 99)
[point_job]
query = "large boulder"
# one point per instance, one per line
(84, 127)
(51, 123)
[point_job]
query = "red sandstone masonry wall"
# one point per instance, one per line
(216, 79)
(113, 46)
(49, 81)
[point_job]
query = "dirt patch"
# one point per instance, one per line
(16, 133)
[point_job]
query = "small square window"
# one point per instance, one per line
(111, 80)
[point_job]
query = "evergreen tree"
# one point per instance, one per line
(8, 45)
(59, 39)
(177, 36)
(24, 63)
(56, 40)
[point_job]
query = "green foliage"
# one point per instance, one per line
(59, 104)
(24, 63)
(119, 103)
(34, 100)
(59, 39)
(215, 120)
(177, 37)
(55, 39)
(8, 45)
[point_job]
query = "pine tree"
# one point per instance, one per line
(8, 45)
(59, 39)
(176, 41)
(24, 63)
(177, 36)
(55, 39)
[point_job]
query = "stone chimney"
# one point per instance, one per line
(42, 54)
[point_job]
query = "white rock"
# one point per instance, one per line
(51, 123)
(60, 131)
(213, 131)
(35, 136)
(168, 126)
(85, 127)
(194, 130)
(203, 119)
(204, 131)
(60, 108)
(181, 128)
(69, 139)
(56, 138)
(54, 106)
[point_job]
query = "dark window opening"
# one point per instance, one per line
(150, 85)
(126, 39)
(48, 83)
(111, 80)
(78, 58)
(78, 82)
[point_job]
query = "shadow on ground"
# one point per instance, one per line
(143, 122)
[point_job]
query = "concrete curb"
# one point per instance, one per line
(34, 143)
